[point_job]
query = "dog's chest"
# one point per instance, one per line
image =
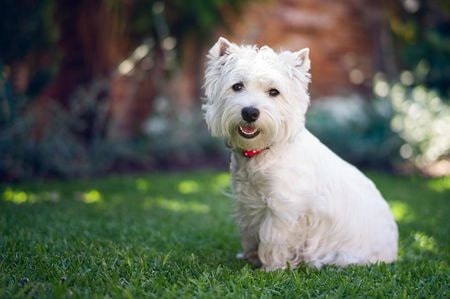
(252, 189)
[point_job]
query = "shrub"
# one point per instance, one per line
(179, 138)
(421, 118)
(357, 130)
(72, 143)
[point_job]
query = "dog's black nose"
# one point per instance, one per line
(250, 114)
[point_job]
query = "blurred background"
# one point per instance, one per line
(90, 88)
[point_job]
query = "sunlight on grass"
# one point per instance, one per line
(440, 185)
(176, 205)
(188, 187)
(142, 185)
(92, 196)
(17, 197)
(424, 242)
(179, 206)
(402, 212)
(223, 180)
(21, 197)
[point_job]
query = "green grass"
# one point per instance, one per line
(171, 235)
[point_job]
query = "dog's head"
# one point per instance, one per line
(255, 97)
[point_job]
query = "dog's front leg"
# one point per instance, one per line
(274, 249)
(249, 242)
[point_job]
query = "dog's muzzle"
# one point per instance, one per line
(246, 128)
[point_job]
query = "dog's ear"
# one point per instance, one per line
(299, 60)
(220, 48)
(302, 61)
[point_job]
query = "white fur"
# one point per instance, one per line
(296, 201)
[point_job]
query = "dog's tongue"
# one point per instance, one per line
(248, 129)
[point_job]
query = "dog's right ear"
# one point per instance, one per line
(220, 48)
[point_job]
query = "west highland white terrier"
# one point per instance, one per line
(296, 201)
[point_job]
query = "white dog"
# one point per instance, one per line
(296, 201)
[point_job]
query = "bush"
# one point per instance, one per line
(421, 118)
(357, 130)
(406, 123)
(71, 143)
(179, 138)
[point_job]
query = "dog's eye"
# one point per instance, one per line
(273, 92)
(238, 86)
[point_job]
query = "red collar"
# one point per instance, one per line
(252, 153)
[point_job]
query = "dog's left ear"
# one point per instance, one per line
(302, 61)
(299, 60)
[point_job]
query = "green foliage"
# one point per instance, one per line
(180, 18)
(420, 117)
(172, 236)
(357, 130)
(73, 141)
(180, 138)
(421, 37)
(405, 123)
(28, 37)
(15, 143)
(61, 150)
(418, 91)
(25, 26)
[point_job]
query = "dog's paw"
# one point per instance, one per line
(270, 268)
(251, 257)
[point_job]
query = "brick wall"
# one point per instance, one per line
(342, 35)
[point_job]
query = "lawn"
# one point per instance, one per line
(172, 236)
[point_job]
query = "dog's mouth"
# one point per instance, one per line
(248, 131)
